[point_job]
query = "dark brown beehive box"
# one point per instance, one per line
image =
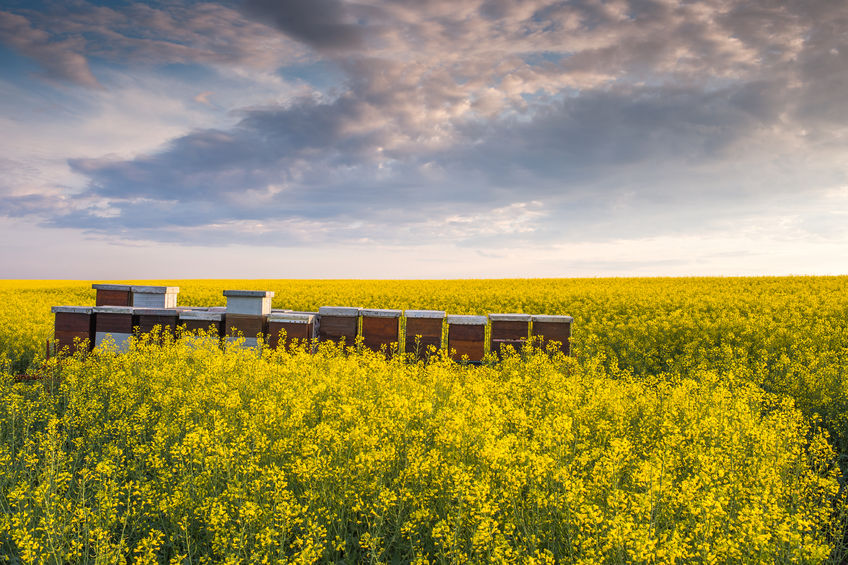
(508, 329)
(423, 329)
(146, 319)
(380, 328)
(74, 322)
(249, 326)
(467, 337)
(116, 321)
(553, 328)
(113, 294)
(338, 323)
(288, 328)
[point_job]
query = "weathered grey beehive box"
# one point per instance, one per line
(423, 329)
(467, 337)
(508, 330)
(339, 323)
(197, 320)
(287, 328)
(155, 296)
(74, 322)
(553, 328)
(249, 302)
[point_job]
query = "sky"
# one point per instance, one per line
(422, 138)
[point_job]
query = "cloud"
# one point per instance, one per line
(60, 59)
(322, 24)
(486, 123)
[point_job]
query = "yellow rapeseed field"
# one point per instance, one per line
(700, 420)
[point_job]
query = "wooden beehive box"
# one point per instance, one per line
(155, 296)
(338, 323)
(297, 327)
(116, 321)
(508, 329)
(145, 319)
(248, 326)
(553, 328)
(74, 322)
(113, 294)
(467, 336)
(197, 320)
(249, 302)
(423, 329)
(380, 328)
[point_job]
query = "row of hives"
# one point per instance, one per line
(122, 310)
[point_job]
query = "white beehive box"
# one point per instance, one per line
(249, 302)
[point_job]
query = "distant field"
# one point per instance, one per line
(699, 420)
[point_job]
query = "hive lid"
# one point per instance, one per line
(250, 293)
(551, 318)
(291, 317)
(141, 311)
(424, 313)
(72, 309)
(273, 310)
(510, 317)
(380, 313)
(155, 289)
(462, 320)
(122, 287)
(201, 315)
(342, 311)
(113, 309)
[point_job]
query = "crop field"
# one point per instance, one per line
(698, 421)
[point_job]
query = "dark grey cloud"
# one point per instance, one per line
(322, 24)
(479, 121)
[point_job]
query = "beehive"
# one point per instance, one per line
(508, 329)
(245, 325)
(116, 321)
(197, 320)
(73, 322)
(553, 328)
(249, 302)
(338, 323)
(467, 336)
(423, 329)
(299, 327)
(155, 296)
(113, 294)
(380, 328)
(146, 319)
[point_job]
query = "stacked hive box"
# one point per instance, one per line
(423, 329)
(247, 314)
(113, 294)
(202, 320)
(380, 328)
(114, 321)
(146, 319)
(298, 327)
(508, 330)
(74, 322)
(553, 328)
(338, 323)
(155, 296)
(467, 337)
